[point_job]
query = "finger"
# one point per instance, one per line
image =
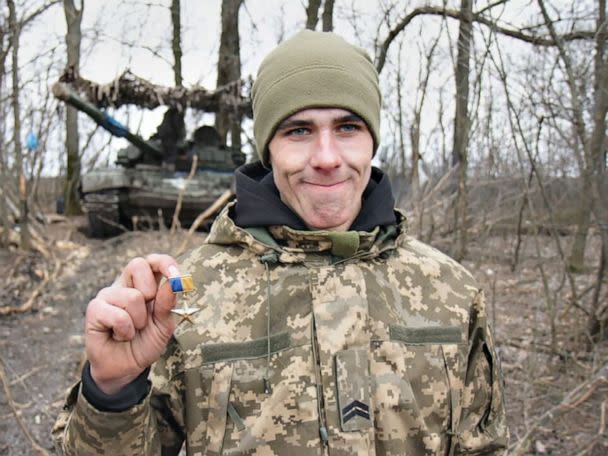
(129, 299)
(165, 298)
(139, 274)
(103, 317)
(165, 264)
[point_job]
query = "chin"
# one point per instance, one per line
(329, 223)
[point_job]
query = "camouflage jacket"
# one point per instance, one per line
(297, 351)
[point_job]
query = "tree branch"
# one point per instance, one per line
(16, 414)
(572, 400)
(536, 40)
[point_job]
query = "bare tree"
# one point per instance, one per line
(312, 14)
(416, 126)
(400, 120)
(176, 42)
(229, 69)
(461, 127)
(23, 202)
(328, 15)
(462, 121)
(477, 17)
(590, 139)
(598, 141)
(515, 121)
(73, 37)
(14, 194)
(598, 317)
(4, 51)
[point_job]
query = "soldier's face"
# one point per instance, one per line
(321, 162)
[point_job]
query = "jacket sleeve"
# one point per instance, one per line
(152, 427)
(482, 428)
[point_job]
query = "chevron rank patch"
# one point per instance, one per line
(355, 408)
(353, 384)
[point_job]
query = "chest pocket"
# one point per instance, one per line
(416, 397)
(239, 415)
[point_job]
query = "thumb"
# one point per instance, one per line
(164, 302)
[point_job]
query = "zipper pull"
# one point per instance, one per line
(324, 435)
(267, 386)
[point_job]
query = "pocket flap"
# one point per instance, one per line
(426, 334)
(256, 348)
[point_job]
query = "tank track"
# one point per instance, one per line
(103, 213)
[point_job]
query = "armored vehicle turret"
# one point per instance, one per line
(150, 174)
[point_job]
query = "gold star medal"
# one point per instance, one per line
(182, 285)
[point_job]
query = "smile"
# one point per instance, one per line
(326, 185)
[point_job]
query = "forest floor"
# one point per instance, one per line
(41, 350)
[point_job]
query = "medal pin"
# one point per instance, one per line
(183, 285)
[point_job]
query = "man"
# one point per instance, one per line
(321, 326)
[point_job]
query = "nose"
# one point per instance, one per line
(326, 155)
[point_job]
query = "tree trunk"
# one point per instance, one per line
(73, 18)
(594, 177)
(328, 16)
(461, 128)
(401, 123)
(595, 324)
(176, 43)
(177, 137)
(229, 70)
(597, 143)
(576, 261)
(312, 14)
(23, 207)
(4, 240)
(4, 175)
(416, 123)
(415, 139)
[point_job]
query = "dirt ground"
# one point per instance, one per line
(41, 350)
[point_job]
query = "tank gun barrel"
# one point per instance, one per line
(64, 93)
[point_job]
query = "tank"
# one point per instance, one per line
(144, 187)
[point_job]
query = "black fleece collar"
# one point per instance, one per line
(259, 203)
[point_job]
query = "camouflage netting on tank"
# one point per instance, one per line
(129, 88)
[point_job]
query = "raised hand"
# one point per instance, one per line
(129, 323)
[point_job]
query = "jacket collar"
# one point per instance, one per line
(292, 245)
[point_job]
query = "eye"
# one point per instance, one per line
(349, 127)
(299, 131)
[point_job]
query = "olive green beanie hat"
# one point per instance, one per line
(313, 70)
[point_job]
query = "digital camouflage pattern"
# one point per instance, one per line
(384, 353)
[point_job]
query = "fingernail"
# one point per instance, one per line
(173, 271)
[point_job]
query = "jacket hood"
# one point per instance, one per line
(259, 203)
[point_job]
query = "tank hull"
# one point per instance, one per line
(120, 199)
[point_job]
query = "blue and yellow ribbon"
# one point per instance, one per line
(182, 284)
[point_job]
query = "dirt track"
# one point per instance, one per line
(41, 351)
